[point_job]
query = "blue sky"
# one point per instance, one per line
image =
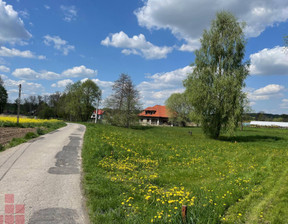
(44, 45)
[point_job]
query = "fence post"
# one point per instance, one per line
(184, 213)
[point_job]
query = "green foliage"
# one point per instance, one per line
(79, 100)
(3, 98)
(40, 131)
(124, 103)
(179, 109)
(30, 135)
(136, 175)
(215, 86)
(15, 142)
(75, 104)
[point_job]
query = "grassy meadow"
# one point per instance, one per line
(145, 175)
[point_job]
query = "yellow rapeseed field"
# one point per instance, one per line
(24, 120)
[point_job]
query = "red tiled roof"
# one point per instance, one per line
(161, 111)
(100, 112)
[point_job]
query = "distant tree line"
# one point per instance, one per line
(79, 100)
(261, 116)
(76, 103)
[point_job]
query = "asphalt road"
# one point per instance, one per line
(44, 175)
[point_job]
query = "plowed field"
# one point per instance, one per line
(8, 133)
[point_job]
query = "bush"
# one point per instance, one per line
(30, 135)
(40, 131)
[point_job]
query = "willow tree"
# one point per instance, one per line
(215, 87)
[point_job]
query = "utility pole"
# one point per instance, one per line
(19, 99)
(96, 115)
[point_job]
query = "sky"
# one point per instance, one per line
(47, 44)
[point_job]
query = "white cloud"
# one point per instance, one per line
(47, 7)
(49, 75)
(284, 104)
(3, 68)
(161, 85)
(25, 73)
(28, 88)
(270, 89)
(6, 52)
(266, 93)
(105, 86)
(137, 45)
(62, 83)
(270, 62)
(12, 28)
(24, 14)
(75, 72)
(80, 71)
(186, 19)
(58, 43)
(70, 12)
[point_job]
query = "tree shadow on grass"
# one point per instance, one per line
(142, 128)
(251, 138)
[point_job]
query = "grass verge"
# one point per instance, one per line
(145, 175)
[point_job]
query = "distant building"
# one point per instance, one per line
(269, 124)
(157, 115)
(100, 114)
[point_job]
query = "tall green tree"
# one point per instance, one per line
(179, 109)
(124, 102)
(80, 99)
(91, 94)
(3, 96)
(215, 88)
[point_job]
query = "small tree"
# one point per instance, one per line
(179, 108)
(215, 86)
(124, 102)
(3, 96)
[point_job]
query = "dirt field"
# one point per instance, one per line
(7, 134)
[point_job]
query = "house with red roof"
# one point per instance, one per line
(157, 115)
(100, 114)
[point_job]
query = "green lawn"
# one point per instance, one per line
(145, 175)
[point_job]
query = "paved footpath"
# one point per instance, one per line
(40, 179)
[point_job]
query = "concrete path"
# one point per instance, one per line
(43, 176)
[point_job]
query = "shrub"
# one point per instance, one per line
(40, 131)
(30, 135)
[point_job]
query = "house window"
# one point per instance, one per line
(150, 112)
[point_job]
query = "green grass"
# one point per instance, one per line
(145, 175)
